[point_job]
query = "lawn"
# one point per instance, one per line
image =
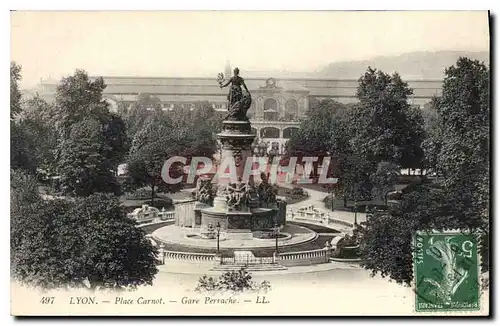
(290, 198)
(338, 204)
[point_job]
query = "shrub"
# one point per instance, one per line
(139, 194)
(233, 281)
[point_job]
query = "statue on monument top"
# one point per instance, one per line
(238, 101)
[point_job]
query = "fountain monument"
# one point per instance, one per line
(240, 207)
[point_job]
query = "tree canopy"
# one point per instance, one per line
(87, 241)
(387, 127)
(91, 140)
(457, 146)
(15, 92)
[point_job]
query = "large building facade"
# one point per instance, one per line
(277, 106)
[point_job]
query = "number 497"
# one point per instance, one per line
(47, 300)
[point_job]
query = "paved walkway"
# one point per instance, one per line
(175, 267)
(189, 237)
(316, 199)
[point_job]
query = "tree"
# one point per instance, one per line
(148, 102)
(458, 150)
(87, 241)
(384, 179)
(145, 106)
(154, 144)
(433, 136)
(37, 120)
(321, 134)
(83, 163)
(23, 190)
(22, 143)
(80, 111)
(387, 127)
(386, 239)
(134, 119)
(15, 93)
(464, 111)
(463, 160)
(233, 281)
(22, 148)
(196, 129)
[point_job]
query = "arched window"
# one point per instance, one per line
(270, 104)
(292, 108)
(271, 109)
(289, 132)
(270, 132)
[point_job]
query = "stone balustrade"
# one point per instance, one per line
(309, 257)
(194, 257)
(341, 222)
(160, 216)
(166, 215)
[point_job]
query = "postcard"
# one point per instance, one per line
(250, 163)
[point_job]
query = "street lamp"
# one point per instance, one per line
(218, 235)
(355, 211)
(276, 231)
(162, 253)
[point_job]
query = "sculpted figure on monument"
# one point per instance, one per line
(267, 192)
(204, 191)
(239, 102)
(237, 194)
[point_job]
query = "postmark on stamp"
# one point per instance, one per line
(446, 271)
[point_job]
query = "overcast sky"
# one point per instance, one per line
(199, 43)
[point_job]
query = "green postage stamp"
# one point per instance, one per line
(446, 271)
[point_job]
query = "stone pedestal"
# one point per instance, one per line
(238, 234)
(239, 219)
(236, 139)
(185, 213)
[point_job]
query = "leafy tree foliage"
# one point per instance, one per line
(135, 116)
(23, 190)
(353, 178)
(37, 119)
(384, 179)
(387, 127)
(196, 129)
(164, 134)
(232, 281)
(154, 144)
(148, 102)
(386, 239)
(22, 148)
(433, 136)
(15, 93)
(321, 132)
(464, 114)
(457, 147)
(82, 164)
(464, 111)
(78, 97)
(87, 241)
(22, 143)
(84, 122)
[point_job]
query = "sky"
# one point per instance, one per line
(54, 44)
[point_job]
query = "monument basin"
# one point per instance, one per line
(239, 224)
